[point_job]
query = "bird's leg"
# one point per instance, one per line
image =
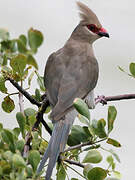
(100, 99)
(90, 100)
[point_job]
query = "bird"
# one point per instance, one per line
(71, 72)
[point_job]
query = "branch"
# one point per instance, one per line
(39, 118)
(104, 100)
(25, 93)
(75, 171)
(82, 145)
(21, 103)
(74, 163)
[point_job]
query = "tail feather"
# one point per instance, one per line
(45, 157)
(56, 147)
(57, 143)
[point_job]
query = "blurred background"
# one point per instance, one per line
(56, 20)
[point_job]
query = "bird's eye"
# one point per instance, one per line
(93, 28)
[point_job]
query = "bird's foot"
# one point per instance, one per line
(100, 99)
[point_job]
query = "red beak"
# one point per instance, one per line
(102, 32)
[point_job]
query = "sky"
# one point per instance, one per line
(56, 20)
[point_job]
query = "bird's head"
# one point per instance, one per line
(89, 27)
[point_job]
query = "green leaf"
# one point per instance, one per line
(1, 59)
(99, 128)
(20, 145)
(18, 64)
(8, 155)
(23, 38)
(34, 159)
(113, 166)
(35, 39)
(9, 135)
(97, 173)
(77, 135)
(18, 161)
(112, 112)
(16, 131)
(30, 78)
(5, 59)
(113, 142)
(6, 169)
(1, 127)
(110, 160)
(61, 173)
(86, 169)
(31, 61)
(87, 132)
(6, 69)
(37, 95)
(83, 119)
(21, 46)
(22, 122)
(31, 120)
(82, 107)
(93, 156)
(29, 112)
(132, 68)
(40, 81)
(48, 109)
(117, 174)
(43, 146)
(8, 46)
(8, 104)
(29, 172)
(2, 85)
(4, 34)
(115, 155)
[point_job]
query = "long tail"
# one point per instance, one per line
(56, 145)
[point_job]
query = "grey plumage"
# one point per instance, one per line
(87, 15)
(70, 72)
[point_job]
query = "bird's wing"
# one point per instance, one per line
(52, 77)
(73, 79)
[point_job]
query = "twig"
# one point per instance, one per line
(75, 171)
(74, 163)
(25, 93)
(39, 116)
(120, 97)
(104, 100)
(21, 101)
(21, 105)
(65, 171)
(83, 144)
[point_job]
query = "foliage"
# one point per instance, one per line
(17, 62)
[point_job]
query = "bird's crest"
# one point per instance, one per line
(87, 15)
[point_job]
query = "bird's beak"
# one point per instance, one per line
(102, 32)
